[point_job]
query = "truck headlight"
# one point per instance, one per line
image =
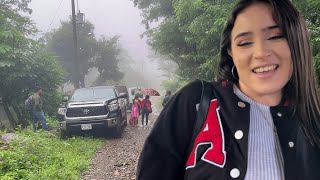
(113, 107)
(62, 111)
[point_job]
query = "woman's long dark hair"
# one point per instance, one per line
(301, 88)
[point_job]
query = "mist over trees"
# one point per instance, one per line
(188, 32)
(102, 53)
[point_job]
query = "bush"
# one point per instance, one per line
(173, 85)
(42, 155)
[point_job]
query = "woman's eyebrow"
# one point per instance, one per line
(270, 28)
(242, 34)
(249, 32)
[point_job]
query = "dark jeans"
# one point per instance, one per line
(145, 113)
(38, 115)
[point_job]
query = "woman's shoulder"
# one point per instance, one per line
(197, 85)
(191, 91)
(194, 88)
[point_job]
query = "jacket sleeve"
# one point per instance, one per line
(165, 150)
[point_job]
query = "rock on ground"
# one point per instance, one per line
(7, 137)
(117, 160)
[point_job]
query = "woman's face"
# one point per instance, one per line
(261, 54)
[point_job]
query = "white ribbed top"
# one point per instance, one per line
(265, 161)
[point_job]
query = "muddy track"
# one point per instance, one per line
(118, 158)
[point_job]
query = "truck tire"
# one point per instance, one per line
(64, 134)
(125, 119)
(117, 131)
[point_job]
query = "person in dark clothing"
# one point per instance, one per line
(146, 109)
(166, 98)
(37, 113)
(263, 117)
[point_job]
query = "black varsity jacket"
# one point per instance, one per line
(220, 152)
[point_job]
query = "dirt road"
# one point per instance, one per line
(118, 158)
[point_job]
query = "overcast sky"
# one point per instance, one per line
(110, 17)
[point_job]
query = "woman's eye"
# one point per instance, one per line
(276, 37)
(244, 43)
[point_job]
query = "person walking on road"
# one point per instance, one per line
(135, 112)
(37, 113)
(146, 109)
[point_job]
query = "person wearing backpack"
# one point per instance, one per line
(35, 109)
(146, 109)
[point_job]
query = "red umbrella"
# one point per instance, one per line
(150, 92)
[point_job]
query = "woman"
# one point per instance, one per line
(146, 109)
(263, 121)
(135, 112)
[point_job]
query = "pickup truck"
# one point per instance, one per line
(123, 89)
(92, 108)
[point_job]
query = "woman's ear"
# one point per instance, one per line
(229, 52)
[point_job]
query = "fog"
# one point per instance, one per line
(110, 18)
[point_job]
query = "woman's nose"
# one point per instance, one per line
(261, 50)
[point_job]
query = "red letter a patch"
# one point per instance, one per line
(211, 134)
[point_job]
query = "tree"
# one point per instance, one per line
(167, 66)
(23, 61)
(60, 42)
(154, 10)
(107, 59)
(311, 11)
(101, 53)
(190, 31)
(190, 35)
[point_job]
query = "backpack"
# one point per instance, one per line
(28, 104)
(147, 106)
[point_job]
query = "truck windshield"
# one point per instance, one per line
(93, 94)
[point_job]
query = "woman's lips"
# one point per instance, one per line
(265, 71)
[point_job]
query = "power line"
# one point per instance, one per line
(54, 16)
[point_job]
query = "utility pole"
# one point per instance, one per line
(75, 44)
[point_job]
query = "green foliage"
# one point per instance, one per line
(60, 42)
(190, 31)
(173, 85)
(102, 53)
(42, 155)
(154, 10)
(34, 67)
(190, 36)
(107, 59)
(311, 11)
(24, 62)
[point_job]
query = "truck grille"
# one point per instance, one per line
(86, 111)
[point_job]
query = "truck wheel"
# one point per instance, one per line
(64, 134)
(117, 131)
(125, 119)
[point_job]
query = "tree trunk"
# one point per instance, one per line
(10, 117)
(21, 120)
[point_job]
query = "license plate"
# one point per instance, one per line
(86, 126)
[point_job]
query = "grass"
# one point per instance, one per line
(43, 155)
